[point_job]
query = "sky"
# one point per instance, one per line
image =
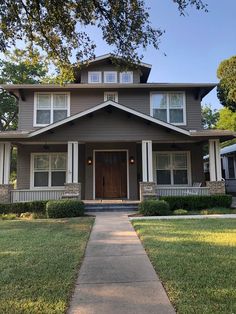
(194, 44)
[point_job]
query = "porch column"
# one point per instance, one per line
(5, 160)
(214, 160)
(147, 161)
(72, 162)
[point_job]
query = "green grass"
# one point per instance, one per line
(196, 261)
(39, 263)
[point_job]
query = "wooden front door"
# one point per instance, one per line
(111, 174)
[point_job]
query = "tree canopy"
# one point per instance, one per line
(59, 27)
(19, 66)
(226, 90)
(227, 120)
(209, 117)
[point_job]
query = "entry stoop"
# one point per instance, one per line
(110, 206)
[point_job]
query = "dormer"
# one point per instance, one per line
(103, 70)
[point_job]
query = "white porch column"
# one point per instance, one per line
(72, 162)
(147, 161)
(214, 160)
(5, 161)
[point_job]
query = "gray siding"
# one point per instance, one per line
(138, 99)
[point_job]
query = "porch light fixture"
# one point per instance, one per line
(131, 160)
(89, 161)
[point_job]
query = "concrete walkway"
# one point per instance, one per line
(116, 276)
(221, 216)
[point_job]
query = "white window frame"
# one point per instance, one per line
(168, 105)
(35, 124)
(107, 93)
(131, 77)
(189, 167)
(90, 73)
(109, 72)
(49, 171)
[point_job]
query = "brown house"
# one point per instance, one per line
(110, 135)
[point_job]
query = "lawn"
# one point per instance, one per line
(196, 261)
(39, 262)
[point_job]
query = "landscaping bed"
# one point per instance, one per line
(39, 263)
(195, 260)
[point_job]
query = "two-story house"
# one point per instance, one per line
(107, 135)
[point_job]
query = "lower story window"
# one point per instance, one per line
(49, 169)
(172, 168)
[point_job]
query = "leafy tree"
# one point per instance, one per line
(209, 117)
(57, 27)
(20, 66)
(226, 90)
(227, 120)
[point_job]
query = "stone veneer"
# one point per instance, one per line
(147, 190)
(5, 193)
(216, 187)
(72, 191)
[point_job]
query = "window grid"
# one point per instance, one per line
(111, 96)
(110, 75)
(92, 75)
(126, 77)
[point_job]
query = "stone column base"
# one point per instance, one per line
(147, 190)
(72, 191)
(216, 187)
(5, 193)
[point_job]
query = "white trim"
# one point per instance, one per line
(35, 124)
(107, 93)
(94, 164)
(69, 162)
(171, 152)
(32, 187)
(1, 162)
(131, 77)
(168, 105)
(214, 160)
(94, 72)
(116, 105)
(109, 72)
(5, 161)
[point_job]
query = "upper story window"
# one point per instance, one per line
(95, 77)
(110, 77)
(50, 108)
(169, 107)
(111, 96)
(126, 77)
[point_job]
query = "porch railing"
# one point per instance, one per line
(35, 195)
(181, 191)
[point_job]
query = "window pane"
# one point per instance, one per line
(160, 114)
(60, 101)
(110, 96)
(176, 101)
(44, 101)
(163, 177)
(43, 117)
(159, 101)
(110, 77)
(126, 77)
(163, 161)
(58, 162)
(231, 167)
(180, 161)
(180, 176)
(41, 162)
(59, 115)
(58, 178)
(176, 116)
(94, 77)
(40, 179)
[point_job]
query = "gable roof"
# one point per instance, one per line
(104, 105)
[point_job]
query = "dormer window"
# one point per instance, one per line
(111, 96)
(126, 77)
(110, 77)
(95, 77)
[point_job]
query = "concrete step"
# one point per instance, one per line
(103, 207)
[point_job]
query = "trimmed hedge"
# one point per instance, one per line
(154, 208)
(64, 208)
(197, 202)
(22, 207)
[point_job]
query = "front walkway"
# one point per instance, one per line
(116, 275)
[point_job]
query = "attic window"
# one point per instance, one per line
(110, 77)
(111, 96)
(126, 77)
(95, 77)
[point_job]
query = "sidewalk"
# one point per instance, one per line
(116, 276)
(216, 216)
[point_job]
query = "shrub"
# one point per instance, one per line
(64, 208)
(180, 212)
(154, 208)
(22, 207)
(8, 216)
(197, 202)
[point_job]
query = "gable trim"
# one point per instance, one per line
(116, 105)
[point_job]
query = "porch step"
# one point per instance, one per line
(110, 207)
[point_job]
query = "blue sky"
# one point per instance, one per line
(194, 44)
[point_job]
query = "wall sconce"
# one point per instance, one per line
(89, 161)
(131, 160)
